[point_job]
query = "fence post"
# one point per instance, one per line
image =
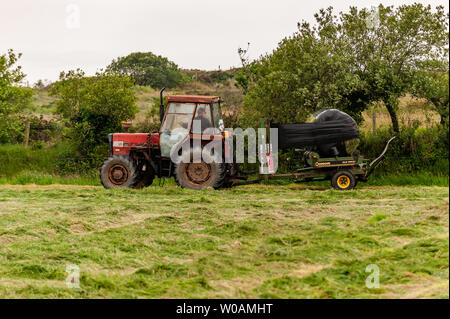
(27, 133)
(374, 122)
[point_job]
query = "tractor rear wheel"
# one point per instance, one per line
(200, 175)
(343, 181)
(119, 171)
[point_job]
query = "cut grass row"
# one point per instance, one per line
(255, 241)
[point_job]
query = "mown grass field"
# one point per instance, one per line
(259, 241)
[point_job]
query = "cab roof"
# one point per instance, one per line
(193, 98)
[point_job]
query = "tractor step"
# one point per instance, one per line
(165, 168)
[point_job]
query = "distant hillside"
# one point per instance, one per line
(210, 77)
(222, 83)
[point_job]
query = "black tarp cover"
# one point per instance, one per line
(332, 126)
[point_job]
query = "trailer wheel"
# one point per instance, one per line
(343, 181)
(200, 175)
(119, 171)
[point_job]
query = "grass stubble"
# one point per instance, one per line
(254, 241)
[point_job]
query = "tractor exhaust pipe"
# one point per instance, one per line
(161, 105)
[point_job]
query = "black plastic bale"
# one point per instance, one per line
(333, 127)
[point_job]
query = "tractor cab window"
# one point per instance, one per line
(203, 119)
(217, 115)
(179, 115)
(174, 121)
(176, 126)
(187, 108)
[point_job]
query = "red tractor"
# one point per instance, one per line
(136, 158)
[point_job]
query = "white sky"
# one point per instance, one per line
(203, 34)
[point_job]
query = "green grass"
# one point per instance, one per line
(417, 178)
(256, 241)
(42, 178)
(21, 165)
(17, 158)
(26, 177)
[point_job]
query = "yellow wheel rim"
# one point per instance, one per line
(343, 181)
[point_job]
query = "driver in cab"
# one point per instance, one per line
(204, 121)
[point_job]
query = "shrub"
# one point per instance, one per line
(414, 149)
(12, 98)
(41, 130)
(92, 107)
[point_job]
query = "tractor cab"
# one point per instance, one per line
(186, 115)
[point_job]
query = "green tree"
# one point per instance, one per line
(92, 107)
(432, 83)
(388, 46)
(13, 97)
(309, 71)
(148, 69)
(347, 61)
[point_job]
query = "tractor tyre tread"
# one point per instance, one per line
(219, 174)
(128, 163)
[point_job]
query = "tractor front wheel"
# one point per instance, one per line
(119, 171)
(200, 175)
(343, 181)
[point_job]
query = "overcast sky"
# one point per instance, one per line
(57, 35)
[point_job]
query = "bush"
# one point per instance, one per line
(43, 160)
(13, 98)
(91, 108)
(414, 149)
(41, 130)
